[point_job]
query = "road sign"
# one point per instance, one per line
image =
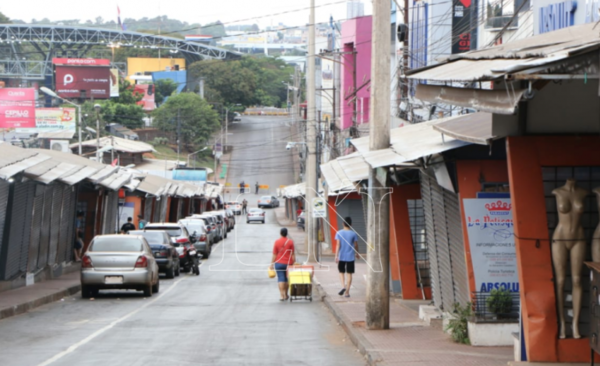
(319, 209)
(263, 186)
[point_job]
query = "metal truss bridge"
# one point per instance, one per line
(47, 41)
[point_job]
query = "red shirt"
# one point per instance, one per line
(283, 250)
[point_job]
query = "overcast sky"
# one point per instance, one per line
(192, 11)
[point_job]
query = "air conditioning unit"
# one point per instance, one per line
(60, 145)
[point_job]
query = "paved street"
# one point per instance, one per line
(230, 315)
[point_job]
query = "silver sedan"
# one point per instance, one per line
(119, 262)
(255, 214)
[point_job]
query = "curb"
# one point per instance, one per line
(29, 305)
(365, 347)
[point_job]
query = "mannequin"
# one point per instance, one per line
(568, 242)
(596, 237)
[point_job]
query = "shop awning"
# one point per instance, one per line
(493, 101)
(342, 173)
(475, 128)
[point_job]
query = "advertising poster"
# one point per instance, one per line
(73, 81)
(17, 107)
(147, 91)
(114, 83)
(491, 237)
(51, 120)
(461, 26)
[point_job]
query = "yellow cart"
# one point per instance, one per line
(300, 281)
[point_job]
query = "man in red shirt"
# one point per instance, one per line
(283, 255)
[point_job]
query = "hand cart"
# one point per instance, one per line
(300, 281)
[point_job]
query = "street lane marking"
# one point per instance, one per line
(84, 341)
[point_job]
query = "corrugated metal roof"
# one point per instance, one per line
(62, 169)
(467, 70)
(475, 128)
(331, 177)
(354, 167)
(36, 171)
(10, 170)
(119, 144)
(82, 174)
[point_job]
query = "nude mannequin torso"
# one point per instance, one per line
(568, 242)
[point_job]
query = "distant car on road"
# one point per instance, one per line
(119, 262)
(164, 252)
(237, 116)
(268, 201)
(255, 214)
(234, 206)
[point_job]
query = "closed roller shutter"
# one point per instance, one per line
(45, 228)
(27, 226)
(354, 209)
(70, 224)
(55, 223)
(156, 210)
(65, 217)
(148, 209)
(17, 248)
(430, 236)
(4, 193)
(163, 209)
(457, 248)
(36, 223)
(111, 208)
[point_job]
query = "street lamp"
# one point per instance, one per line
(51, 93)
(97, 108)
(194, 153)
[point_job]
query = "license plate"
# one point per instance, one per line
(113, 280)
(156, 254)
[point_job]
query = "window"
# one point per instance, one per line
(112, 244)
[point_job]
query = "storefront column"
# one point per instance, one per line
(332, 221)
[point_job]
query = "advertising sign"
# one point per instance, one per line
(52, 119)
(491, 237)
(147, 91)
(114, 83)
(73, 81)
(319, 208)
(17, 107)
(81, 61)
(461, 26)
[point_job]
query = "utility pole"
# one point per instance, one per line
(378, 249)
(178, 134)
(311, 140)
(226, 127)
(201, 88)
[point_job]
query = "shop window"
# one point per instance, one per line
(587, 178)
(417, 228)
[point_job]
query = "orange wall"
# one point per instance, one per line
(469, 174)
(137, 208)
(526, 156)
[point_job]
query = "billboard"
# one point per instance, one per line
(51, 120)
(461, 26)
(147, 91)
(17, 107)
(75, 81)
(190, 174)
(114, 83)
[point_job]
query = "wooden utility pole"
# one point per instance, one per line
(378, 249)
(311, 140)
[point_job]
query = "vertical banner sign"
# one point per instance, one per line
(461, 26)
(319, 208)
(17, 108)
(491, 237)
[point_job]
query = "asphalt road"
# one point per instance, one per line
(229, 315)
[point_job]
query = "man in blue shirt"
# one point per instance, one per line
(347, 246)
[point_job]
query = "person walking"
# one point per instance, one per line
(244, 206)
(128, 226)
(347, 246)
(283, 255)
(141, 222)
(257, 186)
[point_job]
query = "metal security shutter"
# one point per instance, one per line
(36, 223)
(70, 218)
(430, 235)
(457, 248)
(17, 250)
(65, 217)
(148, 209)
(163, 209)
(55, 224)
(4, 193)
(156, 210)
(443, 247)
(45, 228)
(111, 209)
(354, 209)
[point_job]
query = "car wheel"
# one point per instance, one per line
(148, 291)
(263, 221)
(86, 292)
(247, 222)
(156, 287)
(206, 253)
(178, 269)
(170, 272)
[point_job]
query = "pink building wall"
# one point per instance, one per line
(356, 34)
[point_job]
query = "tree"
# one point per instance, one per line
(4, 19)
(164, 88)
(225, 81)
(197, 118)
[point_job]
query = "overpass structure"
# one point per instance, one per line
(48, 41)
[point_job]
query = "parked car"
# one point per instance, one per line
(237, 117)
(234, 206)
(268, 201)
(214, 226)
(229, 218)
(255, 214)
(197, 228)
(180, 238)
(119, 262)
(164, 252)
(220, 224)
(300, 221)
(211, 233)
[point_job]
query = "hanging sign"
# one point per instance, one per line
(319, 208)
(491, 237)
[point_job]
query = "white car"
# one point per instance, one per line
(234, 206)
(255, 214)
(237, 117)
(268, 201)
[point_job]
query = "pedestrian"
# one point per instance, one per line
(141, 222)
(256, 185)
(242, 186)
(244, 206)
(283, 255)
(128, 226)
(347, 246)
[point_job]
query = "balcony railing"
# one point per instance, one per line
(500, 22)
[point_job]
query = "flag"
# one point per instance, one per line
(121, 25)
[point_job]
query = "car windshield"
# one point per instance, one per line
(116, 244)
(170, 230)
(193, 225)
(265, 198)
(152, 237)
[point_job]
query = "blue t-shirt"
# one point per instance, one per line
(347, 239)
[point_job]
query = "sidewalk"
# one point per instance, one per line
(23, 299)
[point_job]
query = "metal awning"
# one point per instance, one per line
(342, 173)
(493, 101)
(475, 128)
(466, 70)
